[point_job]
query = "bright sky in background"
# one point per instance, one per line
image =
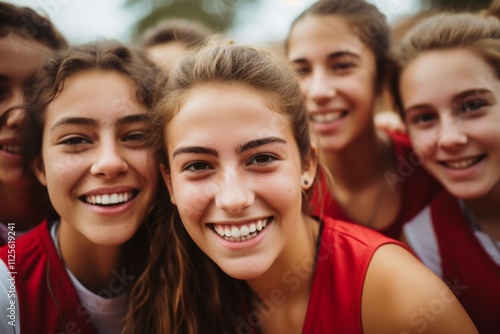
(86, 20)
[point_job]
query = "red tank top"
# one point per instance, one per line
(467, 268)
(344, 253)
(48, 302)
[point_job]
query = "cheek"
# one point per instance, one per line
(424, 144)
(191, 200)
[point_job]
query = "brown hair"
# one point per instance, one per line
(49, 81)
(174, 287)
(26, 23)
(479, 33)
(190, 33)
(367, 22)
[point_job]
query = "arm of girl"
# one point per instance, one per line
(401, 295)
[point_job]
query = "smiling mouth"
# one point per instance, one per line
(327, 117)
(241, 232)
(464, 163)
(11, 149)
(110, 199)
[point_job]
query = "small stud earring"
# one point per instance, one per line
(306, 182)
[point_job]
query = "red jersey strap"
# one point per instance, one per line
(344, 254)
(48, 301)
(473, 276)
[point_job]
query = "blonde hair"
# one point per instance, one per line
(479, 33)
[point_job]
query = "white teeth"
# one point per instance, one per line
(109, 199)
(259, 225)
(244, 231)
(462, 163)
(326, 117)
(241, 232)
(12, 149)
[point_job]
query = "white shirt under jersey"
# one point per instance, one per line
(422, 239)
(105, 314)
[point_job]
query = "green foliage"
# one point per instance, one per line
(456, 5)
(216, 14)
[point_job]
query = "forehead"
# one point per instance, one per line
(104, 95)
(323, 34)
(227, 108)
(453, 71)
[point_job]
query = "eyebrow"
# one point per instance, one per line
(242, 148)
(92, 122)
(259, 142)
(331, 56)
(455, 99)
(195, 150)
(467, 93)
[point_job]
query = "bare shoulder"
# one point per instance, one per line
(400, 295)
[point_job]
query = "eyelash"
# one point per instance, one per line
(268, 157)
(470, 106)
(193, 167)
(72, 141)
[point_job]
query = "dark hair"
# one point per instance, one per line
(190, 33)
(477, 32)
(28, 24)
(367, 22)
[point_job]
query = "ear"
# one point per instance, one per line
(165, 174)
(39, 170)
(309, 170)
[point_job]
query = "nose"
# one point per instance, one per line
(109, 161)
(233, 193)
(13, 118)
(451, 135)
(321, 89)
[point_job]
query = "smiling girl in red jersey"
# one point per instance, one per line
(340, 50)
(448, 88)
(85, 139)
(239, 166)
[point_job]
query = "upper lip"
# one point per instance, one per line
(239, 222)
(460, 159)
(329, 110)
(109, 190)
(8, 141)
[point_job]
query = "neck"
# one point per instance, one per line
(95, 266)
(361, 163)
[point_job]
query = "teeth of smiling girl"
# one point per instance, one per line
(12, 149)
(240, 232)
(462, 163)
(109, 199)
(326, 117)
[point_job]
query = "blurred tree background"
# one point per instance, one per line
(220, 15)
(216, 14)
(456, 5)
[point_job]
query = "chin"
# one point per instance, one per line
(247, 273)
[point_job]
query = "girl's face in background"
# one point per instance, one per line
(235, 176)
(451, 101)
(337, 76)
(20, 58)
(100, 175)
